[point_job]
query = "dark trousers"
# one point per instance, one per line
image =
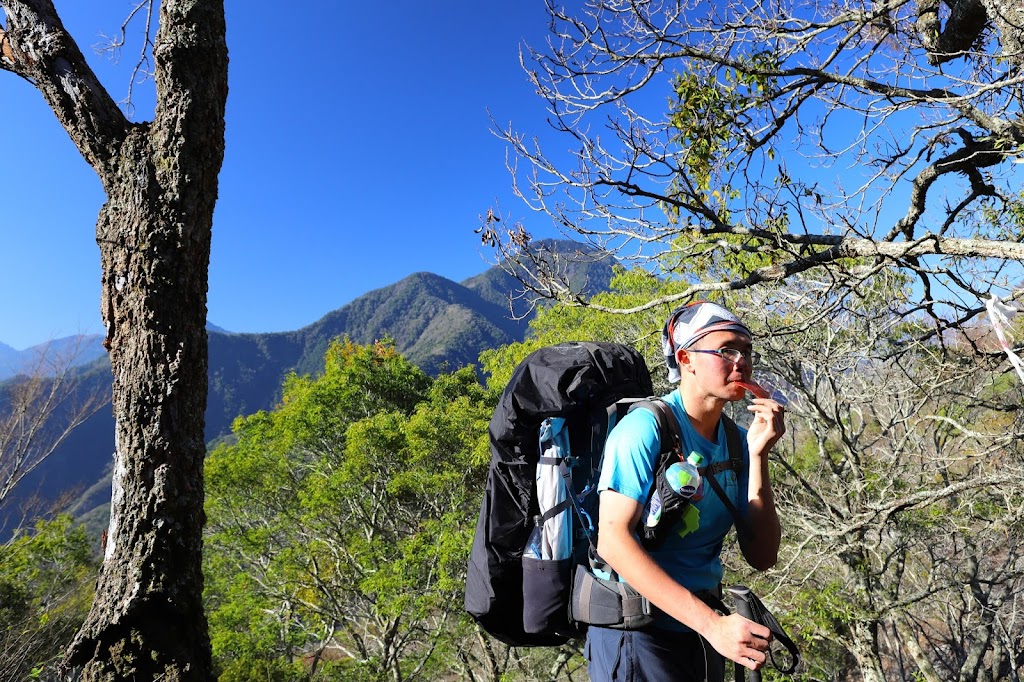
(651, 656)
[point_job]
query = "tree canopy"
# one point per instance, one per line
(845, 176)
(827, 140)
(339, 523)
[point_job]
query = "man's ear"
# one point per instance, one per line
(683, 360)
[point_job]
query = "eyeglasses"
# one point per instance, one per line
(732, 355)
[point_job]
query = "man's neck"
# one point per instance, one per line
(704, 411)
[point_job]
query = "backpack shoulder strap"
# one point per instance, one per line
(734, 445)
(672, 446)
(670, 435)
(670, 449)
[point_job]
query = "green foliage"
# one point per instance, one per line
(46, 581)
(704, 115)
(819, 622)
(255, 670)
(435, 323)
(1004, 217)
(350, 511)
(629, 288)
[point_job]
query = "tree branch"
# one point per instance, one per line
(36, 47)
(966, 20)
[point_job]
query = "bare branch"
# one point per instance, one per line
(41, 51)
(143, 70)
(40, 410)
(810, 135)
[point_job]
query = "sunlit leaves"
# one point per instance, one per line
(46, 579)
(350, 509)
(707, 117)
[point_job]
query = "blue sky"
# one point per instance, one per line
(359, 150)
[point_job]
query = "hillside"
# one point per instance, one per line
(435, 322)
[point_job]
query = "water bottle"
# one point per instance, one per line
(685, 483)
(534, 549)
(684, 478)
(654, 509)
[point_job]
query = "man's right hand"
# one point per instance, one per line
(740, 640)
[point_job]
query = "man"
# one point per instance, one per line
(708, 350)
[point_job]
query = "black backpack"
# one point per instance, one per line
(519, 599)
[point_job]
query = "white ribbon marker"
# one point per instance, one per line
(1000, 314)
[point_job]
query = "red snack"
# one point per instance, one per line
(754, 389)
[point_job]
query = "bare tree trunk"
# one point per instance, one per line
(908, 637)
(148, 606)
(865, 651)
(154, 232)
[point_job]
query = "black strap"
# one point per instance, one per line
(749, 606)
(742, 527)
(554, 511)
(734, 445)
(716, 468)
(670, 440)
(667, 425)
(581, 515)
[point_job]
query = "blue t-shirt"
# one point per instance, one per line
(691, 553)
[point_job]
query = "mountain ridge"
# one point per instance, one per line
(438, 324)
(76, 350)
